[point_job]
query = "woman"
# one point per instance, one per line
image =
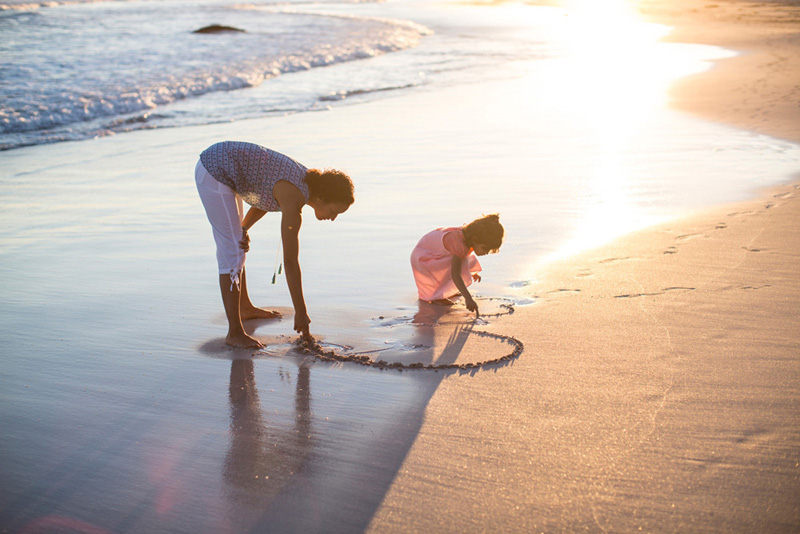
(231, 172)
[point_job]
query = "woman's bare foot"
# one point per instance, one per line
(443, 302)
(243, 341)
(258, 313)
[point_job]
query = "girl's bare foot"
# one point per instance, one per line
(258, 313)
(243, 341)
(443, 302)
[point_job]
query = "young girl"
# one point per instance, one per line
(444, 261)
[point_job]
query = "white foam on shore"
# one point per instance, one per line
(139, 58)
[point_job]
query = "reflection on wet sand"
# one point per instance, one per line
(263, 456)
(262, 461)
(328, 470)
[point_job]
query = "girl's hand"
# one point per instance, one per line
(471, 305)
(476, 277)
(244, 244)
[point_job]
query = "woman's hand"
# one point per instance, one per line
(244, 243)
(252, 216)
(301, 323)
(476, 277)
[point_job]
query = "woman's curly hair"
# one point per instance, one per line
(485, 231)
(330, 186)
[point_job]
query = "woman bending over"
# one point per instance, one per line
(230, 173)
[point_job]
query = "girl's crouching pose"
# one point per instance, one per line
(444, 261)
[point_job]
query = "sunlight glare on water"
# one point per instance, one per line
(614, 81)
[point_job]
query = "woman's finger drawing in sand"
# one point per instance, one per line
(230, 173)
(444, 261)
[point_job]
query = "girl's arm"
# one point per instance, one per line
(291, 201)
(455, 272)
(252, 216)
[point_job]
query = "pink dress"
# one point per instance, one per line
(431, 262)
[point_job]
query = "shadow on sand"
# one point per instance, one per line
(312, 473)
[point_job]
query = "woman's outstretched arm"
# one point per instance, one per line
(291, 201)
(290, 228)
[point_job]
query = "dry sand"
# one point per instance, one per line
(660, 384)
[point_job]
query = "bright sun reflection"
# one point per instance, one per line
(616, 73)
(618, 56)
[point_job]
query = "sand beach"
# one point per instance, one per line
(666, 402)
(658, 387)
(667, 399)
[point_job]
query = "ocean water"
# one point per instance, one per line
(79, 70)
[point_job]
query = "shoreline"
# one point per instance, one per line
(757, 90)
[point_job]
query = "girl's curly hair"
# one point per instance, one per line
(485, 231)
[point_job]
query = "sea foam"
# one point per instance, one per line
(109, 66)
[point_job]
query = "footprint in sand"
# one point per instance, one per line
(671, 250)
(654, 294)
(721, 226)
(614, 260)
(686, 237)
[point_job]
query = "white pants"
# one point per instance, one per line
(225, 211)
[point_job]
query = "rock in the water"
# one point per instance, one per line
(217, 28)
